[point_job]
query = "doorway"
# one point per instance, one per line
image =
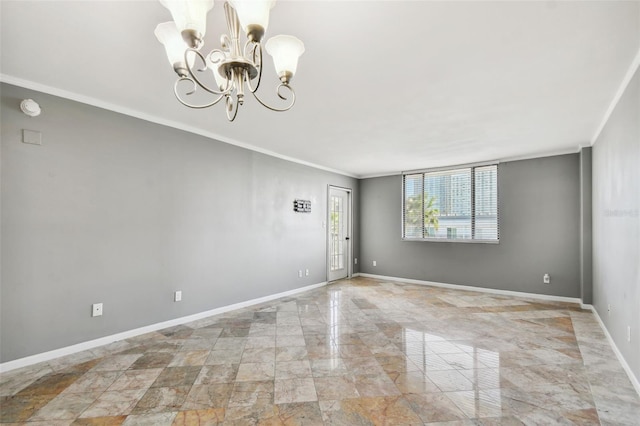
(339, 233)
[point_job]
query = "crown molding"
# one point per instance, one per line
(88, 100)
(616, 98)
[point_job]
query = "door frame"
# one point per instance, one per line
(349, 253)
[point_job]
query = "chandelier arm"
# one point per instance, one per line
(232, 108)
(192, 75)
(221, 52)
(187, 104)
(293, 98)
(257, 60)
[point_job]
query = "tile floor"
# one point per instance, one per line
(357, 352)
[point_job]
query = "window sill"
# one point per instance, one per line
(444, 240)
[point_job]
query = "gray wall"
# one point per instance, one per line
(117, 210)
(616, 224)
(539, 209)
(586, 226)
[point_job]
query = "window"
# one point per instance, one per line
(455, 205)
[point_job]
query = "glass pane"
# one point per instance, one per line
(337, 233)
(486, 194)
(412, 206)
(447, 204)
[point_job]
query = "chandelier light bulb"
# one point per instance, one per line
(285, 50)
(167, 34)
(190, 17)
(253, 16)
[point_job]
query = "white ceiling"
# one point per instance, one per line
(383, 86)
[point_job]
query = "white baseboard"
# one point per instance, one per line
(79, 347)
(627, 369)
(478, 289)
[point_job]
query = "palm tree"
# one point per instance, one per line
(413, 222)
(431, 215)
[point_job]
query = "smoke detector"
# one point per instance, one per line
(30, 107)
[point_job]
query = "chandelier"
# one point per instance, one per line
(236, 66)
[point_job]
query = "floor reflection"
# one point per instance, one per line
(469, 374)
(333, 325)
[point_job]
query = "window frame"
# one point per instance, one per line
(472, 166)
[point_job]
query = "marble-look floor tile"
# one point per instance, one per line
(368, 411)
(116, 362)
(189, 358)
(364, 365)
(265, 413)
(68, 406)
(248, 393)
(449, 380)
(255, 372)
(14, 381)
(410, 382)
(201, 397)
(64, 363)
(283, 341)
(93, 381)
(229, 343)
(328, 367)
(289, 330)
(114, 403)
(99, 421)
(293, 369)
(394, 364)
(17, 408)
(256, 355)
(135, 379)
(375, 385)
(294, 390)
(261, 341)
(225, 356)
(176, 377)
(221, 373)
(164, 399)
(50, 384)
(152, 360)
(336, 388)
(360, 351)
(434, 407)
(295, 353)
(205, 417)
(150, 419)
(479, 403)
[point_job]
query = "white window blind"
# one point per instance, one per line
(457, 204)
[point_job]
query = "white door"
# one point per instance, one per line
(339, 233)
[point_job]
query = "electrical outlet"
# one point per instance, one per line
(546, 279)
(306, 272)
(177, 296)
(96, 310)
(375, 263)
(300, 273)
(629, 333)
(355, 260)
